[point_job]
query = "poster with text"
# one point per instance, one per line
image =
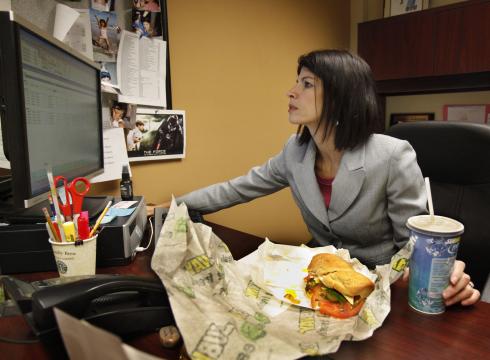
(156, 135)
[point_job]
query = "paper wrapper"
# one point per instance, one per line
(231, 309)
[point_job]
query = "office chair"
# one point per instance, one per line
(456, 158)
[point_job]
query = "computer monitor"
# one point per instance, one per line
(50, 109)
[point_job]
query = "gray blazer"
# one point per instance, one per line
(378, 186)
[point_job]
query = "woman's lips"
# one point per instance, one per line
(291, 108)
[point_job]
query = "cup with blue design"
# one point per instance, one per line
(436, 245)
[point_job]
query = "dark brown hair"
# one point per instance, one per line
(349, 97)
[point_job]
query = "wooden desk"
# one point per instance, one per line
(459, 333)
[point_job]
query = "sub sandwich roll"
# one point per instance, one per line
(335, 288)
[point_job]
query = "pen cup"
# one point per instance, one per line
(75, 258)
(436, 246)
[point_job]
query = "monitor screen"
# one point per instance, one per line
(52, 111)
(62, 107)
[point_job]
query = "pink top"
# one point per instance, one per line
(325, 188)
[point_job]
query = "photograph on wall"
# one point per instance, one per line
(148, 5)
(477, 114)
(122, 115)
(146, 24)
(410, 117)
(156, 135)
(105, 35)
(102, 5)
(398, 7)
(108, 73)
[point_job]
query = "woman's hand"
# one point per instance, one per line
(460, 288)
(150, 208)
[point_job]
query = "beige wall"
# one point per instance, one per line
(231, 65)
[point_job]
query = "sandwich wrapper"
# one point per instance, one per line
(231, 309)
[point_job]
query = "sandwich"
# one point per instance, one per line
(335, 288)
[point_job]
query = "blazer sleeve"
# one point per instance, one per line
(405, 191)
(259, 181)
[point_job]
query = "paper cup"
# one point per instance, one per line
(431, 264)
(73, 259)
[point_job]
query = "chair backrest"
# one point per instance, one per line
(456, 158)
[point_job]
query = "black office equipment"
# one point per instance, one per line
(160, 215)
(50, 109)
(24, 247)
(124, 305)
(455, 156)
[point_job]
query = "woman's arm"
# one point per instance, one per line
(259, 181)
(405, 191)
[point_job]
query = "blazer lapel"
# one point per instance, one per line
(348, 182)
(304, 177)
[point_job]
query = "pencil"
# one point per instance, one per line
(50, 225)
(52, 187)
(99, 220)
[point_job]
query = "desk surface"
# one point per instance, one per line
(459, 333)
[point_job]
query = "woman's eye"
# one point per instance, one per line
(308, 84)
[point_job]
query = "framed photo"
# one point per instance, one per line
(156, 135)
(398, 7)
(410, 117)
(478, 114)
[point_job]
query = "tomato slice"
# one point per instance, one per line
(335, 309)
(316, 296)
(340, 311)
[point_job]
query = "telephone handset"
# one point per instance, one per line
(124, 305)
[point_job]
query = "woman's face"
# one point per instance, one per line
(305, 99)
(117, 113)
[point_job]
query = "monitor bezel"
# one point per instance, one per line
(15, 107)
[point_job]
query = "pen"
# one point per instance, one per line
(56, 205)
(99, 220)
(51, 205)
(49, 224)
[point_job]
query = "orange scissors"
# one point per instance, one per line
(74, 198)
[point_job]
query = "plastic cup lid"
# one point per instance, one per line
(439, 225)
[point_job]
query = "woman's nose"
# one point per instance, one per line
(291, 93)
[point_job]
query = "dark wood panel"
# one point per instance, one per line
(460, 333)
(435, 84)
(476, 52)
(461, 40)
(448, 39)
(396, 47)
(444, 41)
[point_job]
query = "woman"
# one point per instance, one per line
(355, 189)
(118, 113)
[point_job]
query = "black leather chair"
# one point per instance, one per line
(456, 158)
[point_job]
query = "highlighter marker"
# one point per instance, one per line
(69, 229)
(83, 228)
